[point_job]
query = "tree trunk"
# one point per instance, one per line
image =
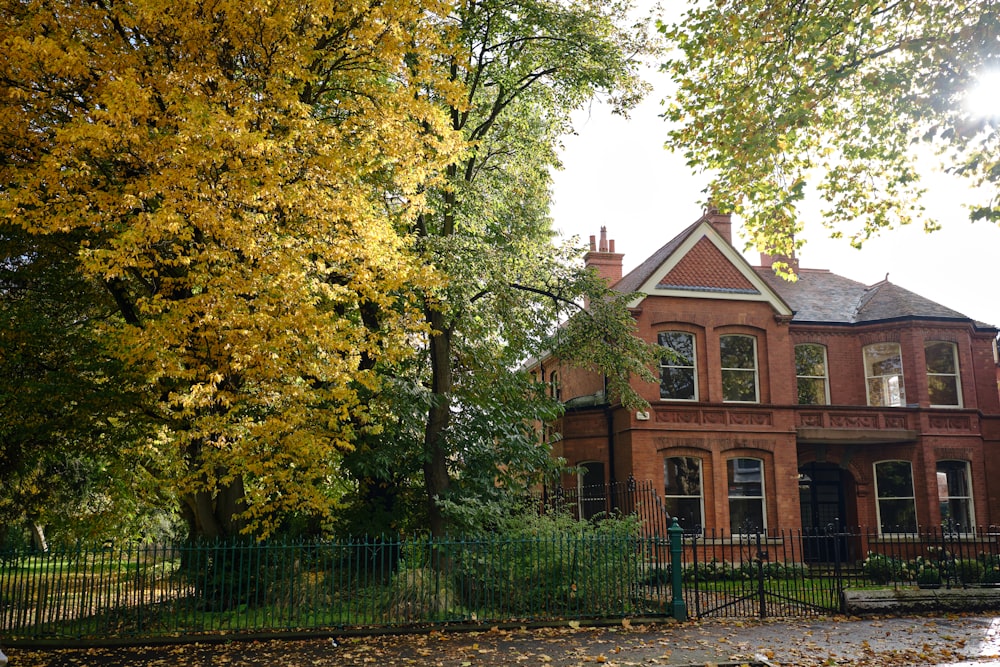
(38, 537)
(216, 515)
(436, 479)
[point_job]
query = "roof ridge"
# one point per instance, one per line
(635, 278)
(867, 294)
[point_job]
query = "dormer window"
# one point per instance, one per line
(943, 386)
(884, 375)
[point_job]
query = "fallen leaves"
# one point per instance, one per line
(811, 643)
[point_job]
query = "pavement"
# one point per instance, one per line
(955, 640)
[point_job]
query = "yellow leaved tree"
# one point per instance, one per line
(234, 174)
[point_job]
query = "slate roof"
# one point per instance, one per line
(817, 296)
(821, 296)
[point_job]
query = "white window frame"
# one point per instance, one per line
(701, 491)
(885, 381)
(762, 497)
(944, 495)
(755, 369)
(878, 499)
(825, 377)
(670, 364)
(956, 376)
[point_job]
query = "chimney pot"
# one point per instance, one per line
(767, 261)
(722, 222)
(604, 259)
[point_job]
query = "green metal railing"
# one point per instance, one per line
(188, 589)
(616, 571)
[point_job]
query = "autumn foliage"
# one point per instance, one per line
(233, 174)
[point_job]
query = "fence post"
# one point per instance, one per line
(679, 607)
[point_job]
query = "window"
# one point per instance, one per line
(955, 496)
(683, 491)
(678, 377)
(897, 511)
(555, 391)
(810, 371)
(884, 375)
(746, 495)
(942, 374)
(739, 368)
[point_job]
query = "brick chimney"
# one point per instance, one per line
(723, 222)
(604, 258)
(767, 261)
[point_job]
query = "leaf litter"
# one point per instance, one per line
(829, 642)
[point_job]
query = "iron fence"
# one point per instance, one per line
(189, 589)
(796, 573)
(628, 498)
(148, 591)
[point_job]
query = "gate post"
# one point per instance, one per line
(679, 607)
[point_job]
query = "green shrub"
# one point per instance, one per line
(713, 570)
(880, 569)
(929, 576)
(716, 570)
(549, 564)
(968, 571)
(991, 568)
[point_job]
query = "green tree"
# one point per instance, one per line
(72, 418)
(772, 94)
(524, 66)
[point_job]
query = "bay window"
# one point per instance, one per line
(884, 375)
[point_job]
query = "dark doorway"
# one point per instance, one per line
(822, 503)
(593, 491)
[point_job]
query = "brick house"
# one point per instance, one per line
(788, 405)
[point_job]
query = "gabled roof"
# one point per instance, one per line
(821, 296)
(699, 262)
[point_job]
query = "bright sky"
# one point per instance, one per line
(618, 174)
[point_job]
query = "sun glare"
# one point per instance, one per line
(984, 99)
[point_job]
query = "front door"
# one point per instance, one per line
(822, 503)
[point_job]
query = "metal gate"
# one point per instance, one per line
(758, 575)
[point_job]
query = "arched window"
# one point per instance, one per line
(678, 370)
(955, 496)
(897, 509)
(811, 374)
(884, 375)
(683, 491)
(746, 495)
(943, 385)
(739, 369)
(554, 389)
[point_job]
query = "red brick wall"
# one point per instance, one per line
(716, 431)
